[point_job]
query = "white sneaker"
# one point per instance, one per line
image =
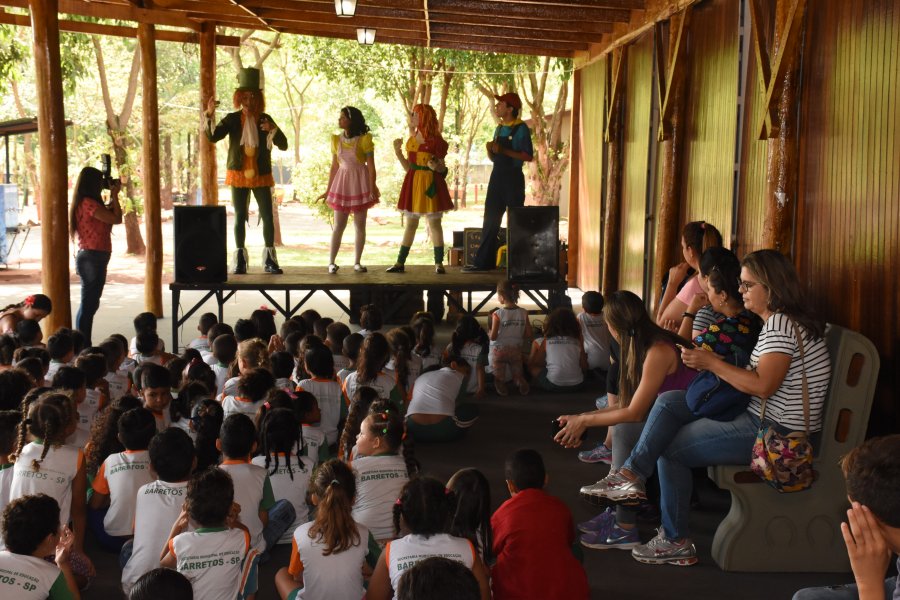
(333, 268)
(359, 268)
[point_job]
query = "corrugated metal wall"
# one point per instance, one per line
(711, 115)
(848, 241)
(638, 93)
(591, 172)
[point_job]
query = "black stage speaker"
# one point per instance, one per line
(532, 254)
(201, 255)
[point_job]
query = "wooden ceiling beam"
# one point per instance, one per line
(122, 12)
(541, 12)
(567, 48)
(316, 10)
(516, 33)
(333, 20)
(499, 48)
(251, 12)
(608, 4)
(503, 25)
(162, 35)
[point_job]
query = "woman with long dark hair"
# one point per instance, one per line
(92, 220)
(35, 306)
(351, 183)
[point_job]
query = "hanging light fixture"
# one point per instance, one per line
(365, 35)
(345, 8)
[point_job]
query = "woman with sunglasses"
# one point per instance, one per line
(770, 288)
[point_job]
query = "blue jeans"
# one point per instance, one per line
(506, 189)
(678, 441)
(842, 592)
(91, 267)
(281, 516)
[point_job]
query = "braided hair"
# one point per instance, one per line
(280, 433)
(359, 408)
(389, 425)
(49, 418)
(425, 506)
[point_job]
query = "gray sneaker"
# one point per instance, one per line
(615, 488)
(662, 551)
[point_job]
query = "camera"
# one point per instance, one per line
(106, 171)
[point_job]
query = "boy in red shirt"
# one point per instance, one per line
(533, 537)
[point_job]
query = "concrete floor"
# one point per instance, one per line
(506, 424)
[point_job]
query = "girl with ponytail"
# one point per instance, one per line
(404, 365)
(47, 466)
(651, 364)
(696, 238)
(384, 463)
(423, 510)
(374, 355)
(328, 555)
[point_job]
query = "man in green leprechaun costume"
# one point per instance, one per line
(251, 135)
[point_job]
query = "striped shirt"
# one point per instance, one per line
(785, 406)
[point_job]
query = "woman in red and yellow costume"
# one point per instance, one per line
(424, 191)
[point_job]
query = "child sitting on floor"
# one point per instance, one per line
(350, 350)
(436, 412)
(470, 343)
(509, 328)
(557, 360)
(224, 352)
(119, 478)
(207, 320)
(213, 554)
(335, 334)
(266, 519)
(252, 387)
(595, 333)
(156, 393)
(872, 530)
(32, 531)
(533, 537)
(145, 322)
(319, 363)
(61, 348)
(328, 558)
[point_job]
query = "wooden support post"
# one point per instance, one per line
(208, 176)
(612, 226)
(782, 152)
(152, 209)
(574, 177)
(54, 162)
(671, 72)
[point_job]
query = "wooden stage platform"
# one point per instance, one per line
(398, 289)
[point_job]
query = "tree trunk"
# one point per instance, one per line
(133, 236)
(30, 162)
(165, 192)
(194, 142)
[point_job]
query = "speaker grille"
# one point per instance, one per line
(533, 244)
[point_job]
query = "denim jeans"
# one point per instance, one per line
(678, 441)
(844, 592)
(506, 189)
(281, 516)
(91, 267)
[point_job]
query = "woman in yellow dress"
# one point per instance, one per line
(424, 191)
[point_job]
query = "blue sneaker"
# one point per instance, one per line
(596, 455)
(601, 522)
(616, 538)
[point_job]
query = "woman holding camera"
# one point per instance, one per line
(92, 220)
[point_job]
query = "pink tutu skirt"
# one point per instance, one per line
(349, 191)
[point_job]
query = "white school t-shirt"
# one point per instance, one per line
(24, 577)
(379, 480)
(313, 439)
(251, 488)
(563, 357)
(597, 339)
(120, 477)
(329, 396)
(221, 372)
(237, 404)
(403, 554)
(132, 347)
(342, 375)
(512, 326)
(383, 385)
(436, 392)
(337, 576)
(212, 559)
(433, 356)
(413, 365)
(340, 362)
(293, 490)
(119, 384)
(54, 477)
(157, 507)
(87, 412)
(475, 355)
(6, 474)
(229, 388)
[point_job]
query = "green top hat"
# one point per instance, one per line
(248, 80)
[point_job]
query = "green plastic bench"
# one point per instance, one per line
(800, 532)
